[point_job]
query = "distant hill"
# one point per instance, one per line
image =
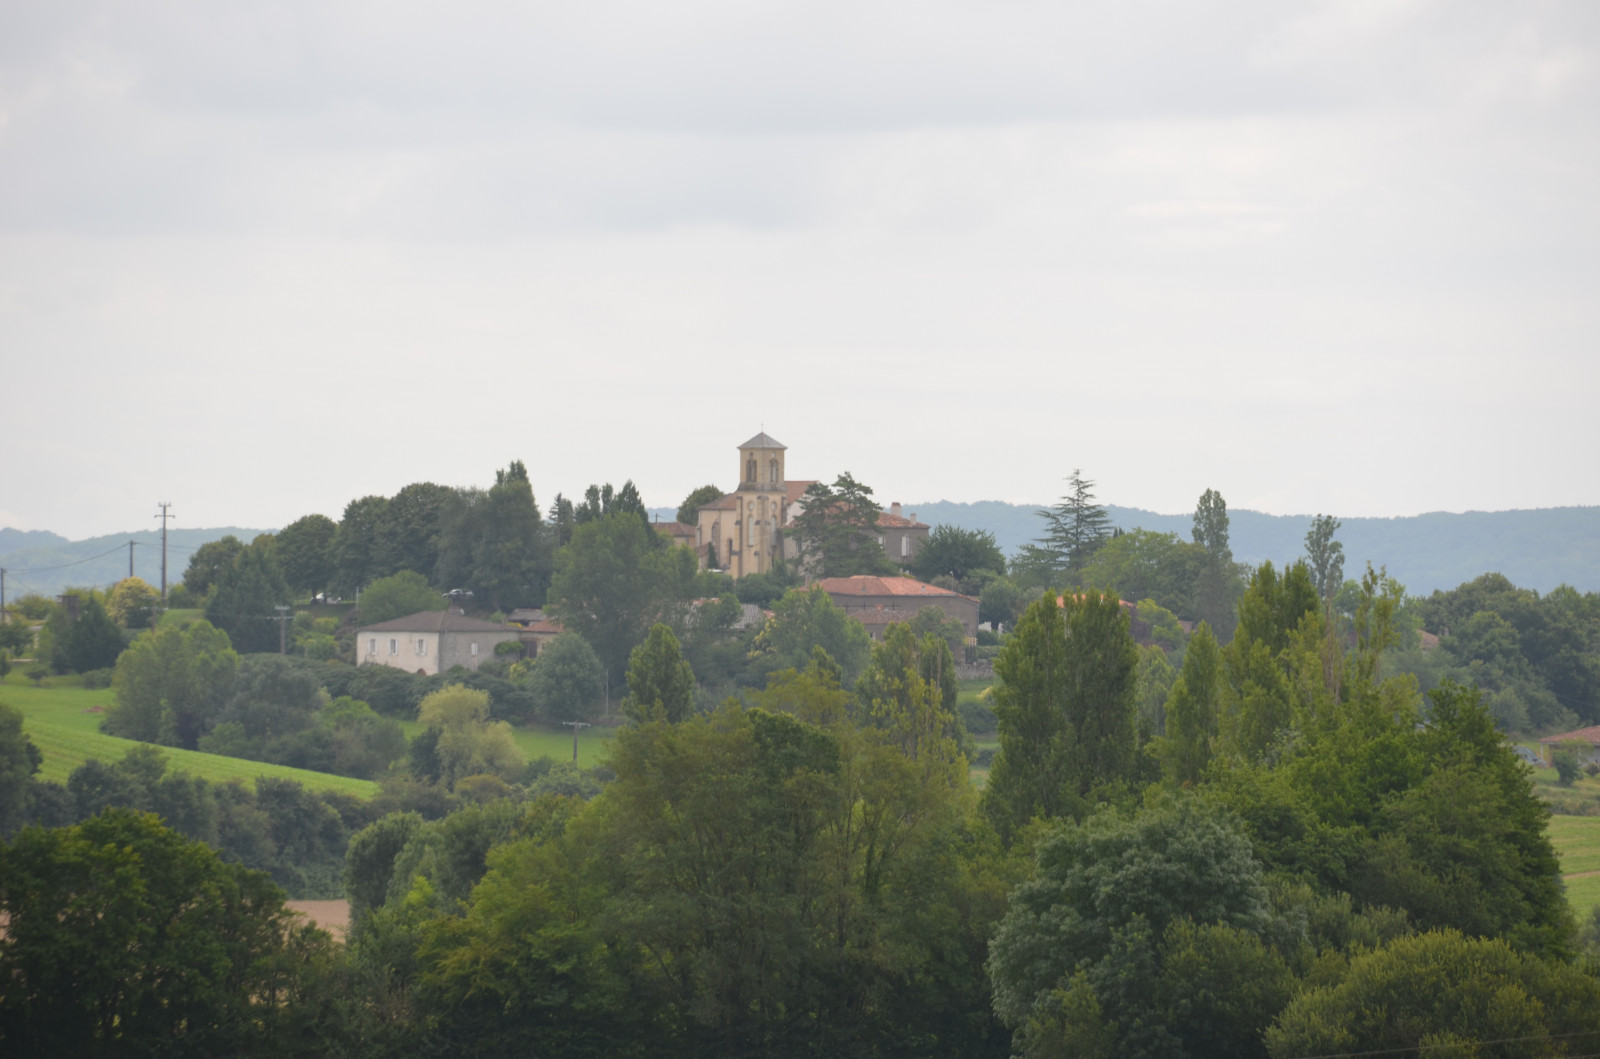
(1537, 549)
(47, 563)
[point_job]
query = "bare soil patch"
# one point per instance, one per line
(332, 916)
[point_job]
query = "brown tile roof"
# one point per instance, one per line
(1590, 735)
(435, 621)
(729, 501)
(674, 529)
(545, 626)
(796, 488)
(866, 585)
(888, 521)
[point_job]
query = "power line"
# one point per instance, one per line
(64, 566)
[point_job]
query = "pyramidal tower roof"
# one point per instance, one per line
(763, 441)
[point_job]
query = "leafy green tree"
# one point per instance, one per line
(246, 597)
(272, 700)
(132, 603)
(93, 641)
(805, 619)
(1142, 564)
(497, 545)
(469, 743)
(1000, 603)
(1075, 529)
(959, 553)
(567, 679)
(1217, 587)
(1153, 680)
(563, 518)
(1325, 556)
(1272, 650)
(614, 581)
(1192, 711)
(749, 884)
(909, 691)
(660, 682)
(601, 501)
(306, 553)
(397, 596)
(689, 510)
(1081, 954)
(19, 760)
(1443, 993)
(369, 861)
(171, 683)
(123, 938)
(935, 621)
(1064, 700)
(837, 530)
(208, 563)
(413, 525)
(358, 555)
(16, 637)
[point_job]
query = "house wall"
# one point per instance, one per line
(457, 648)
(961, 608)
(412, 651)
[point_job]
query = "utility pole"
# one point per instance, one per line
(576, 725)
(283, 628)
(130, 558)
(164, 506)
(3, 616)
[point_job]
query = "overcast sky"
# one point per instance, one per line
(261, 259)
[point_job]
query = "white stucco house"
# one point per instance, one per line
(431, 641)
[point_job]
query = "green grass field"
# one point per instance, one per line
(62, 719)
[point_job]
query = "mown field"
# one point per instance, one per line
(62, 718)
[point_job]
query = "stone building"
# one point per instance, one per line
(742, 533)
(876, 602)
(431, 641)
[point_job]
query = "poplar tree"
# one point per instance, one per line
(1065, 703)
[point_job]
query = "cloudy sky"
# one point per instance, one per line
(260, 259)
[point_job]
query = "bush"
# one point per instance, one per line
(1567, 768)
(37, 674)
(978, 718)
(1591, 770)
(95, 679)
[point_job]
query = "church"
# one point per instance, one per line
(742, 533)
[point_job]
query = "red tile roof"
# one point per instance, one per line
(1589, 735)
(794, 490)
(674, 529)
(865, 585)
(889, 521)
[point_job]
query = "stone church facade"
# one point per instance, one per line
(742, 533)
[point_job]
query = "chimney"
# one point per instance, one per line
(894, 509)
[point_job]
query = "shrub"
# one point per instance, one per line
(95, 679)
(1567, 768)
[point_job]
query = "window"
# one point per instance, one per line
(372, 645)
(474, 650)
(422, 647)
(905, 546)
(394, 647)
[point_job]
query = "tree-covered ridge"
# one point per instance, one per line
(1539, 549)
